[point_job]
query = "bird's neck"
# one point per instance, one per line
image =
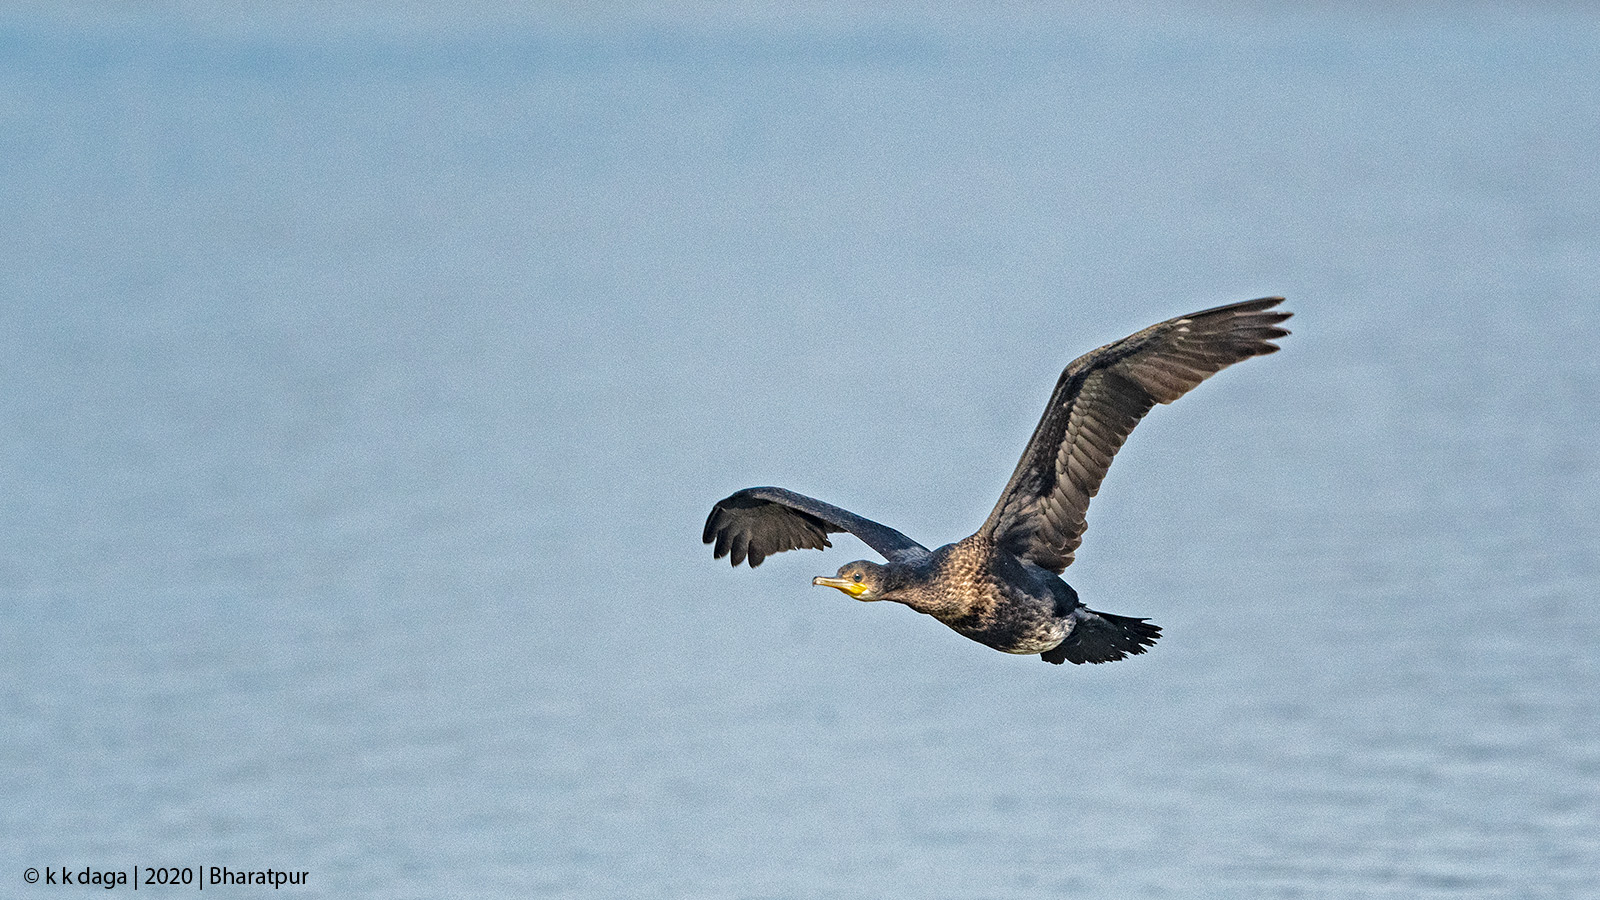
(925, 586)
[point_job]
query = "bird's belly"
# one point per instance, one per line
(1037, 641)
(1014, 631)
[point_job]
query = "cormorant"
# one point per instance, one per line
(1002, 586)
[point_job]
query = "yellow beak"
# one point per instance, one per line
(853, 588)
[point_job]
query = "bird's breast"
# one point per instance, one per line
(1006, 613)
(987, 596)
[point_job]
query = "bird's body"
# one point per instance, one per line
(998, 600)
(992, 597)
(1002, 585)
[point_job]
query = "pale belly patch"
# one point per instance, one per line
(1041, 639)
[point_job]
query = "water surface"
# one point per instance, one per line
(367, 378)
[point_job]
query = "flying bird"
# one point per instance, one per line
(1002, 586)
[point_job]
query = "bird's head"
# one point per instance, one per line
(861, 579)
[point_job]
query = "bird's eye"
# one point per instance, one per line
(856, 577)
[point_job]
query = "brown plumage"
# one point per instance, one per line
(1002, 585)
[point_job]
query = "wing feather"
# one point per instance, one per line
(757, 522)
(1098, 400)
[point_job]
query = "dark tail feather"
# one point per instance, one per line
(1098, 637)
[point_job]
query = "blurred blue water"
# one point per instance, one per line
(366, 382)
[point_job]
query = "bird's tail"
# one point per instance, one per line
(1098, 637)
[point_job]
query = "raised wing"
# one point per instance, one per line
(1101, 396)
(760, 521)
